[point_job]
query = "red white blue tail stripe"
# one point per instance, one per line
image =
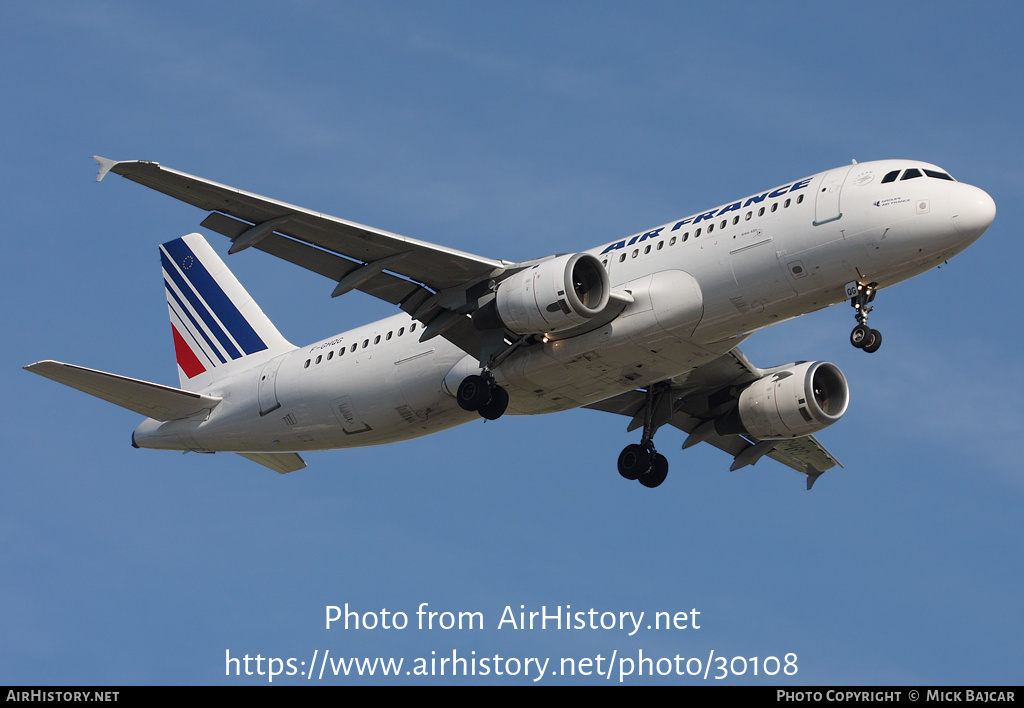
(205, 302)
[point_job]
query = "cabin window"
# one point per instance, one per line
(800, 199)
(306, 365)
(376, 340)
(647, 249)
(775, 206)
(622, 258)
(366, 343)
(319, 359)
(747, 217)
(401, 331)
(636, 252)
(787, 203)
(661, 244)
(330, 355)
(672, 241)
(389, 336)
(412, 327)
(711, 227)
(760, 212)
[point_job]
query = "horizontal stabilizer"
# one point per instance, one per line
(149, 399)
(283, 462)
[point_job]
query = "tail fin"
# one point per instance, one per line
(215, 323)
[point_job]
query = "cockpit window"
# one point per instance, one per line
(914, 172)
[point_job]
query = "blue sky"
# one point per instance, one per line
(512, 130)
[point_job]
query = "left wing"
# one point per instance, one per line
(692, 403)
(431, 283)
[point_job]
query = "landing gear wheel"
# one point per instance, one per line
(860, 337)
(473, 393)
(634, 460)
(657, 473)
(875, 342)
(493, 409)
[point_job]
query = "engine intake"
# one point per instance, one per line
(555, 295)
(795, 401)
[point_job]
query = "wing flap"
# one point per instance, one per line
(149, 399)
(804, 455)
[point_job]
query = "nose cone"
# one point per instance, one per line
(972, 210)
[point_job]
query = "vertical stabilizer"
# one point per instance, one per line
(216, 325)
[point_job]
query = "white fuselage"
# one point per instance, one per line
(699, 285)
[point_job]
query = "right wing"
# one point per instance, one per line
(691, 403)
(431, 283)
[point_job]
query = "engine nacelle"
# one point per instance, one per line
(798, 400)
(555, 295)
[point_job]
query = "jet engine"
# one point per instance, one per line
(792, 402)
(552, 296)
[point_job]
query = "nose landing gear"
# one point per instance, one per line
(862, 336)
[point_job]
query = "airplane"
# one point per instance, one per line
(646, 326)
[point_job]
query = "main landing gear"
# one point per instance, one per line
(481, 394)
(642, 462)
(862, 336)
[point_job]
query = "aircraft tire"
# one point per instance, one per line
(495, 407)
(876, 341)
(657, 473)
(473, 393)
(860, 336)
(633, 461)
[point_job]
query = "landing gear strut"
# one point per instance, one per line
(642, 462)
(862, 336)
(480, 393)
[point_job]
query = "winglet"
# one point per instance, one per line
(105, 166)
(812, 476)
